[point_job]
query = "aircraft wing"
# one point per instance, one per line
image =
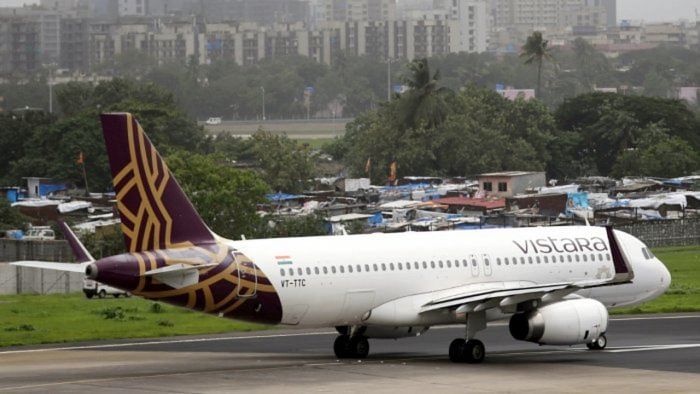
(504, 295)
(50, 265)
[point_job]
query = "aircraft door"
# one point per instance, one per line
(247, 274)
(486, 259)
(474, 264)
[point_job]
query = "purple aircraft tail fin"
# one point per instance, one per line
(81, 254)
(155, 212)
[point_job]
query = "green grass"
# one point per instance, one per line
(35, 319)
(684, 293)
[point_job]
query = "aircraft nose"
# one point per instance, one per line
(665, 278)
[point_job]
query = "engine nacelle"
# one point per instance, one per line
(563, 323)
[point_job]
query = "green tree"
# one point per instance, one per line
(424, 100)
(51, 146)
(11, 218)
(225, 197)
(286, 166)
(536, 51)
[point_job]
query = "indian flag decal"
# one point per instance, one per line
(283, 260)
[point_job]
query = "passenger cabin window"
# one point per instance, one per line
(291, 272)
(282, 271)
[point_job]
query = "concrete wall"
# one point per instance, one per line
(20, 280)
(14, 250)
(17, 280)
(685, 232)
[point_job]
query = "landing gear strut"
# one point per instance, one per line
(470, 350)
(346, 346)
(598, 344)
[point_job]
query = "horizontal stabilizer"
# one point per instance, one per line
(50, 265)
(79, 251)
(178, 276)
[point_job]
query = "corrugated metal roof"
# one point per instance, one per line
(473, 202)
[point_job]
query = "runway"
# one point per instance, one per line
(645, 354)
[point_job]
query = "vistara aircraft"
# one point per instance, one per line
(554, 284)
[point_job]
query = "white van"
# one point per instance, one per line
(92, 288)
(40, 233)
(213, 121)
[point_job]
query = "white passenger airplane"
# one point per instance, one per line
(555, 284)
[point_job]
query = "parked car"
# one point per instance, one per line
(92, 288)
(213, 121)
(39, 233)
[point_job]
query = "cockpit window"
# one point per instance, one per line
(651, 255)
(644, 252)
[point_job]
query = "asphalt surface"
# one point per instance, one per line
(645, 354)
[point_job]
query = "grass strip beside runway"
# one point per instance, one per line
(684, 293)
(36, 319)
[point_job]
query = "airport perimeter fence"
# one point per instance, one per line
(681, 232)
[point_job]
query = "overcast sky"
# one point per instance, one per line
(649, 10)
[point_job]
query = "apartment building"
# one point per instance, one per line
(20, 47)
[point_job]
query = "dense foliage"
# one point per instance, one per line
(475, 130)
(38, 144)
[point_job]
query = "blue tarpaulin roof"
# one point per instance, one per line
(282, 197)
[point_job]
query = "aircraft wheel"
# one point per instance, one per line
(359, 347)
(102, 294)
(457, 350)
(598, 344)
(474, 351)
(342, 346)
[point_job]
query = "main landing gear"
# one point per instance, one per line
(598, 344)
(470, 350)
(356, 347)
(463, 351)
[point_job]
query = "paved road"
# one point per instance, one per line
(645, 354)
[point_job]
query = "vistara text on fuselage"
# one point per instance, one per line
(555, 284)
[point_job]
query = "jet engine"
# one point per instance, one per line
(563, 323)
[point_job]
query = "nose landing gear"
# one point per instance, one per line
(598, 344)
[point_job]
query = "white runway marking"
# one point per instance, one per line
(645, 348)
(193, 340)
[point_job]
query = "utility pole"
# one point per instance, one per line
(50, 88)
(388, 79)
(262, 88)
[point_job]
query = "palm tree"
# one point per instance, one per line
(535, 51)
(424, 100)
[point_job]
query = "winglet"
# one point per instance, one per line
(79, 251)
(623, 270)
